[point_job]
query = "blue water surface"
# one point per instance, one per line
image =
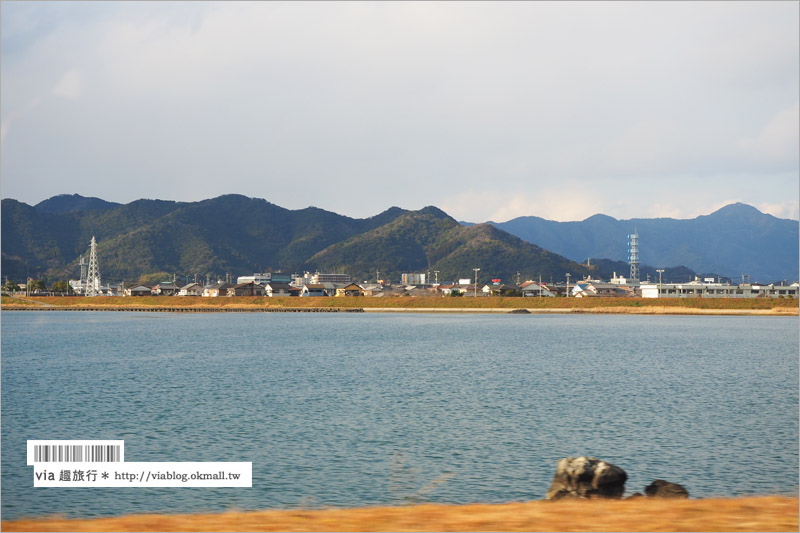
(345, 410)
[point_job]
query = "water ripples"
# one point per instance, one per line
(352, 410)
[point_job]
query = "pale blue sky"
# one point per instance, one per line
(487, 110)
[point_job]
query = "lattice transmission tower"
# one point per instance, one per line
(93, 272)
(633, 256)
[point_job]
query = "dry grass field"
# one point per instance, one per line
(771, 306)
(770, 513)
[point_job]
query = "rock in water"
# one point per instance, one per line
(587, 477)
(664, 489)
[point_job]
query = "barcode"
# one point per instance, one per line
(76, 453)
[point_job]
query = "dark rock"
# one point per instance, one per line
(562, 495)
(664, 489)
(519, 312)
(635, 496)
(587, 477)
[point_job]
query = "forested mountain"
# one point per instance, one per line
(237, 235)
(736, 239)
(429, 240)
(68, 203)
(229, 234)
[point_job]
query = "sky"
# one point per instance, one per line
(487, 110)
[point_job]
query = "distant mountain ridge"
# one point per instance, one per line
(734, 240)
(230, 233)
(237, 235)
(429, 240)
(70, 203)
(240, 235)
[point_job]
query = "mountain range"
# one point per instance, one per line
(233, 234)
(734, 240)
(153, 240)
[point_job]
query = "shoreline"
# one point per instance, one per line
(617, 310)
(753, 513)
(485, 305)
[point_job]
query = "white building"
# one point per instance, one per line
(330, 278)
(315, 279)
(412, 279)
(192, 289)
(535, 289)
(262, 278)
(77, 286)
(591, 288)
(707, 289)
(618, 280)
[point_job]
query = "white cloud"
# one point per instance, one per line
(622, 104)
(778, 140)
(10, 117)
(564, 205)
(71, 85)
(780, 210)
(661, 210)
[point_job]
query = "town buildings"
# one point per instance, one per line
(316, 285)
(707, 289)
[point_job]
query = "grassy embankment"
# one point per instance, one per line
(771, 513)
(772, 306)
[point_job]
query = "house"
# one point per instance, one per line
(372, 289)
(349, 290)
(446, 290)
(393, 291)
(331, 286)
(313, 289)
(192, 289)
(559, 289)
(503, 290)
(139, 290)
(420, 291)
(474, 290)
(218, 289)
(275, 288)
(535, 289)
(585, 289)
(108, 290)
(246, 289)
(166, 288)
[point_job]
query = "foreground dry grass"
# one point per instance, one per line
(771, 513)
(766, 306)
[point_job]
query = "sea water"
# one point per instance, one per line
(346, 410)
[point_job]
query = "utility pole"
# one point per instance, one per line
(476, 282)
(568, 284)
(436, 274)
(660, 271)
